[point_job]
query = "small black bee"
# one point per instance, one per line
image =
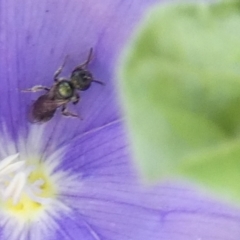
(61, 92)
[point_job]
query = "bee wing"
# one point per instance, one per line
(44, 108)
(56, 103)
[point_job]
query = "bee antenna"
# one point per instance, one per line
(85, 64)
(89, 56)
(99, 82)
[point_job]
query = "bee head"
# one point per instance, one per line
(81, 79)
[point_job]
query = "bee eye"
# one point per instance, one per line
(85, 79)
(65, 90)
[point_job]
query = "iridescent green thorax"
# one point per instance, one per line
(64, 89)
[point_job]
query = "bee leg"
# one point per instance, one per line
(65, 112)
(36, 89)
(75, 98)
(85, 64)
(59, 70)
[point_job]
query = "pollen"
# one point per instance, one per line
(26, 187)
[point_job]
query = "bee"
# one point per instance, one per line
(62, 92)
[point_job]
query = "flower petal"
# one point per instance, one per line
(35, 38)
(112, 204)
(109, 203)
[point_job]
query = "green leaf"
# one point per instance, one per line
(180, 89)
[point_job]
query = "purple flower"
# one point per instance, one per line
(73, 179)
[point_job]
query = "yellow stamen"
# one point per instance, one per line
(27, 190)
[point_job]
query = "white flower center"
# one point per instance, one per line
(14, 181)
